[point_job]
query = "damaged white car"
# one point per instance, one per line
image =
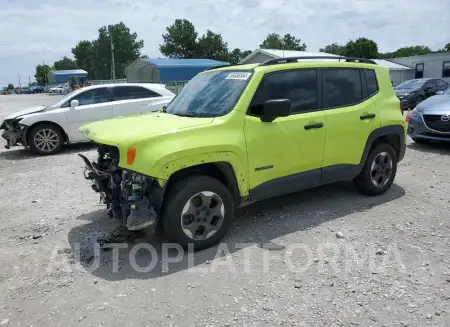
(45, 129)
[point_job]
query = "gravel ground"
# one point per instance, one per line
(324, 257)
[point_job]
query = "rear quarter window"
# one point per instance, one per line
(371, 81)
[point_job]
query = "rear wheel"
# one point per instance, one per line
(379, 171)
(199, 211)
(45, 139)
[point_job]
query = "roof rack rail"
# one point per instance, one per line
(221, 66)
(296, 59)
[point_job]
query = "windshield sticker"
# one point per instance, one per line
(242, 76)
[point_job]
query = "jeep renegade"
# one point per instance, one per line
(239, 134)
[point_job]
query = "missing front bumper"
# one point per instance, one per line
(130, 198)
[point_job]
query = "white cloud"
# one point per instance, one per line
(36, 31)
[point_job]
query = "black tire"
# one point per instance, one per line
(180, 195)
(45, 128)
(364, 181)
(421, 141)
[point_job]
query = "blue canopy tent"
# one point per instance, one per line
(167, 70)
(62, 76)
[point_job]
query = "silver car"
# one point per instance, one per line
(430, 120)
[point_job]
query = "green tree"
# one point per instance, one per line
(126, 50)
(83, 53)
(180, 40)
(41, 74)
(286, 42)
(361, 48)
(10, 87)
(65, 64)
(333, 48)
(415, 50)
(95, 57)
(237, 55)
(212, 46)
(446, 48)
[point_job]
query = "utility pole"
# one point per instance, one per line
(113, 64)
(20, 85)
(46, 77)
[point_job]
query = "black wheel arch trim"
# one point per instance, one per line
(384, 131)
(159, 193)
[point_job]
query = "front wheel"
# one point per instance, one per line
(199, 211)
(379, 171)
(45, 139)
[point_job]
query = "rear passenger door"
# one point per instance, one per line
(131, 100)
(350, 117)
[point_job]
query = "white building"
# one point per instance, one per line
(398, 72)
(435, 65)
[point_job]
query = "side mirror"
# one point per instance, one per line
(429, 88)
(439, 92)
(74, 103)
(276, 108)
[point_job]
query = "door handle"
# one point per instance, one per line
(367, 116)
(316, 125)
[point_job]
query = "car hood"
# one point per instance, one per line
(435, 103)
(27, 111)
(117, 130)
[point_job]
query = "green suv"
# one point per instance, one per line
(244, 133)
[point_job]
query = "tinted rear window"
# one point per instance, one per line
(132, 92)
(341, 87)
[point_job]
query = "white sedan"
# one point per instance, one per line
(45, 129)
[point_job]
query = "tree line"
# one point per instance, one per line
(181, 40)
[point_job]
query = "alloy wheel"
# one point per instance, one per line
(46, 140)
(202, 215)
(381, 169)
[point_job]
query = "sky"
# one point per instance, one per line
(36, 31)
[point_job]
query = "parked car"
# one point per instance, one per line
(56, 89)
(44, 129)
(430, 120)
(414, 91)
(239, 134)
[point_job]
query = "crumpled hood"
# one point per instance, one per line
(27, 111)
(117, 130)
(435, 103)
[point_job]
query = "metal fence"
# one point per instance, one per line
(107, 81)
(175, 87)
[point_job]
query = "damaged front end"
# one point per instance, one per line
(13, 133)
(131, 198)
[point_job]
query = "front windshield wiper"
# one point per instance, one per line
(185, 115)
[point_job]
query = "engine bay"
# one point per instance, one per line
(126, 194)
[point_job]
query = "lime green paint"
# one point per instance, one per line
(285, 144)
(166, 143)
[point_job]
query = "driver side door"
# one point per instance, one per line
(285, 155)
(94, 105)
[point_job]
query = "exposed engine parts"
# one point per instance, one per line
(126, 194)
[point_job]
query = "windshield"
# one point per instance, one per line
(210, 94)
(412, 84)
